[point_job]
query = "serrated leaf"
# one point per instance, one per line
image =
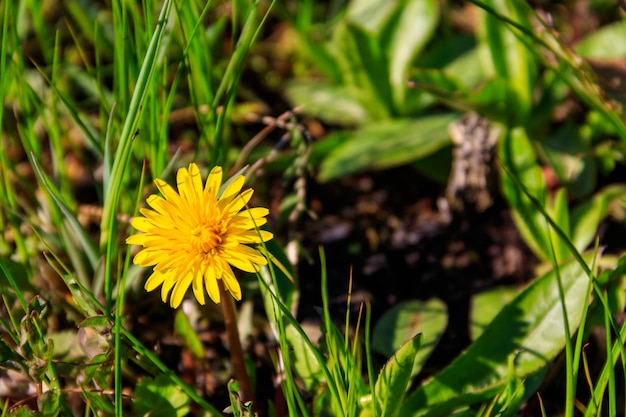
(394, 379)
(530, 328)
(405, 320)
(387, 144)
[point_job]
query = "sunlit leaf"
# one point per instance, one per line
(333, 104)
(518, 156)
(364, 69)
(607, 42)
(530, 329)
(486, 305)
(512, 60)
(160, 397)
(394, 379)
(387, 144)
(410, 30)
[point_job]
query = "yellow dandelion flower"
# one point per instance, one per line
(193, 237)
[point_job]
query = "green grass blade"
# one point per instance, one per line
(86, 244)
(113, 184)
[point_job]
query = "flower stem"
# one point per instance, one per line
(236, 352)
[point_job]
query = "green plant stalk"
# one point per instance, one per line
(330, 342)
(5, 195)
(117, 334)
(227, 88)
(570, 381)
(605, 375)
(119, 311)
(371, 376)
(581, 333)
(609, 359)
(332, 386)
(113, 183)
(52, 128)
(236, 352)
(114, 177)
(289, 386)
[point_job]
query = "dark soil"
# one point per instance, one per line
(386, 227)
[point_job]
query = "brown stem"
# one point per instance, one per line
(236, 352)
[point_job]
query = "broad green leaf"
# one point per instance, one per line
(401, 29)
(363, 68)
(486, 305)
(160, 397)
(510, 57)
(530, 329)
(332, 104)
(607, 42)
(394, 379)
(518, 156)
(410, 29)
(405, 320)
(387, 144)
(587, 215)
(467, 67)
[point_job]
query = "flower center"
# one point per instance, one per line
(205, 238)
